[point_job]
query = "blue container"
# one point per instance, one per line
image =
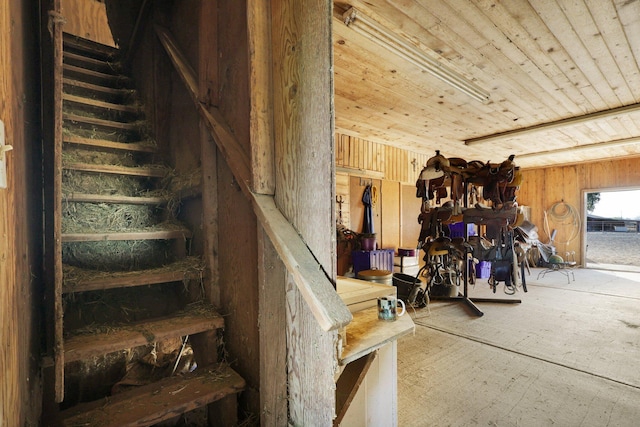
(483, 270)
(457, 230)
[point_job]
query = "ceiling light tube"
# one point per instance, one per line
(378, 34)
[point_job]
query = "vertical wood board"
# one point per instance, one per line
(87, 19)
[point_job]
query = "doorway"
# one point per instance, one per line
(612, 238)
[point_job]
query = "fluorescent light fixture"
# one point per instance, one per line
(375, 32)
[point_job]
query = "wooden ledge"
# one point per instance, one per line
(366, 333)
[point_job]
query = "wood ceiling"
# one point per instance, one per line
(562, 75)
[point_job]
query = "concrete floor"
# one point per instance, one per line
(568, 355)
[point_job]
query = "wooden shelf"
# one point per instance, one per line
(160, 401)
(81, 347)
(366, 333)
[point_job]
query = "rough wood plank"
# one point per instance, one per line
(90, 46)
(133, 235)
(101, 104)
(151, 171)
(102, 143)
(58, 118)
(157, 402)
(127, 126)
(89, 20)
(80, 347)
(300, 261)
(261, 111)
(170, 273)
(105, 90)
(101, 198)
(273, 338)
(97, 76)
(99, 64)
(349, 383)
(366, 333)
(312, 282)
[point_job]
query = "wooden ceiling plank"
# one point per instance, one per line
(555, 19)
(606, 18)
(582, 21)
(509, 39)
(522, 11)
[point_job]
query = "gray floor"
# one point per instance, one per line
(568, 355)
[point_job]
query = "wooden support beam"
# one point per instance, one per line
(599, 115)
(310, 278)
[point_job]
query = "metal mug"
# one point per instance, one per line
(388, 308)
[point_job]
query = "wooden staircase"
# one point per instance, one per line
(126, 279)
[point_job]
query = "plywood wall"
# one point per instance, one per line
(88, 19)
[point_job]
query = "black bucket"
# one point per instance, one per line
(407, 287)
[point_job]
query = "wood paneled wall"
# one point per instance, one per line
(20, 216)
(391, 163)
(542, 188)
(88, 19)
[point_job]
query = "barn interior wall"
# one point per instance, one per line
(20, 216)
(544, 187)
(360, 162)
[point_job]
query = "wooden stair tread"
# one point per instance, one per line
(97, 280)
(188, 322)
(111, 78)
(128, 126)
(148, 171)
(96, 88)
(89, 46)
(146, 147)
(101, 104)
(158, 234)
(160, 401)
(113, 198)
(110, 66)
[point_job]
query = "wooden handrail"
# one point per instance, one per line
(309, 276)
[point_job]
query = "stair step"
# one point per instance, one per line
(146, 171)
(106, 92)
(89, 48)
(114, 198)
(96, 77)
(123, 126)
(79, 60)
(160, 401)
(157, 234)
(80, 280)
(123, 108)
(146, 147)
(193, 320)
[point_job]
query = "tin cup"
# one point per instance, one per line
(388, 308)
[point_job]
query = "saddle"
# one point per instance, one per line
(499, 181)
